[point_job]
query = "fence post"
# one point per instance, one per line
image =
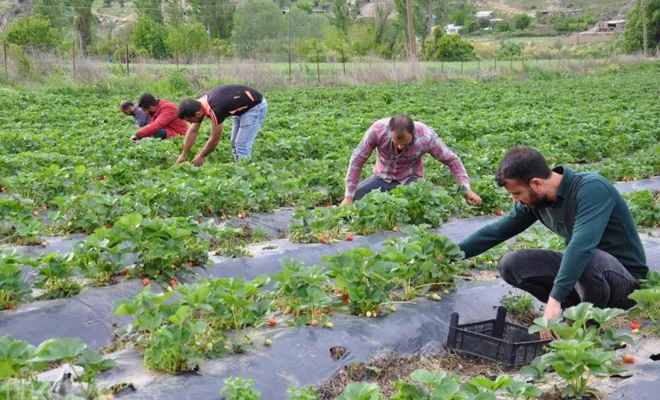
(478, 65)
(318, 69)
(495, 64)
(461, 66)
(177, 60)
(127, 61)
(442, 66)
(511, 63)
(4, 50)
(73, 57)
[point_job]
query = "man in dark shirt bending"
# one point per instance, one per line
(246, 106)
(604, 257)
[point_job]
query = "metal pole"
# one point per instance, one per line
(461, 66)
(289, 42)
(646, 41)
(318, 69)
(4, 50)
(177, 60)
(127, 61)
(73, 57)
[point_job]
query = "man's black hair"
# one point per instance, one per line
(147, 100)
(522, 163)
(401, 124)
(188, 108)
(125, 104)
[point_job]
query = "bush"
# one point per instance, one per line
(33, 32)
(448, 48)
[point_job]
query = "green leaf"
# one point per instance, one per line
(645, 296)
(66, 349)
(428, 377)
(361, 391)
(601, 316)
(180, 316)
(581, 312)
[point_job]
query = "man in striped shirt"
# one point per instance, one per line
(400, 143)
(246, 106)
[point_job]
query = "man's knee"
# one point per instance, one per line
(513, 262)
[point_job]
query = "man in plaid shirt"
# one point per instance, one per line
(400, 143)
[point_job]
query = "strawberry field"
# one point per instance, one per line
(123, 275)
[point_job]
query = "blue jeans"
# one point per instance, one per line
(245, 129)
(375, 182)
(161, 134)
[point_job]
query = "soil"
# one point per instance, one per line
(390, 367)
(116, 345)
(524, 318)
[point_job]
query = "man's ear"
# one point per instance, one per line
(536, 184)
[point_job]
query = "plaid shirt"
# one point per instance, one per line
(393, 164)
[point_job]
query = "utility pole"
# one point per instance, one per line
(646, 39)
(411, 32)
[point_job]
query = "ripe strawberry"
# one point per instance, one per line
(324, 240)
(624, 179)
(124, 271)
(436, 288)
(35, 213)
(349, 238)
(498, 213)
(628, 359)
(315, 322)
(243, 215)
(470, 273)
(173, 283)
(145, 282)
(272, 322)
(635, 325)
(190, 264)
(295, 313)
(9, 307)
(345, 298)
(318, 313)
(109, 226)
(395, 229)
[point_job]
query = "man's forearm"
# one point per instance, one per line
(212, 143)
(190, 138)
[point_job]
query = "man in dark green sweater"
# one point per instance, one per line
(604, 257)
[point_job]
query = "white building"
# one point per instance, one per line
(484, 14)
(452, 29)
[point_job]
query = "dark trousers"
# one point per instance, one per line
(605, 282)
(374, 182)
(161, 134)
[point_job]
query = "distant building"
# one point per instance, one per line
(615, 25)
(452, 29)
(573, 12)
(484, 14)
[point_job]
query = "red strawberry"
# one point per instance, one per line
(345, 298)
(395, 229)
(628, 359)
(470, 273)
(243, 215)
(190, 264)
(35, 213)
(109, 226)
(295, 313)
(436, 288)
(315, 322)
(9, 307)
(498, 213)
(318, 313)
(124, 271)
(173, 283)
(349, 238)
(324, 240)
(272, 322)
(145, 282)
(635, 325)
(624, 179)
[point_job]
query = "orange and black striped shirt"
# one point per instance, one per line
(229, 100)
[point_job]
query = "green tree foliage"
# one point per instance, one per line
(447, 48)
(337, 42)
(633, 36)
(174, 13)
(216, 15)
(509, 49)
(471, 24)
(342, 17)
(34, 32)
(149, 8)
(259, 27)
(53, 11)
(458, 17)
(150, 37)
(503, 26)
(363, 38)
(522, 21)
(189, 40)
(305, 24)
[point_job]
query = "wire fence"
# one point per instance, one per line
(266, 74)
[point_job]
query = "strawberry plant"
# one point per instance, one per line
(425, 204)
(13, 289)
(57, 276)
(648, 303)
(239, 389)
(299, 288)
(378, 211)
(645, 207)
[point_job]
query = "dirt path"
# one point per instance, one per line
(499, 5)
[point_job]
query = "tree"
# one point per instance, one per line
(448, 48)
(342, 19)
(149, 8)
(174, 12)
(633, 36)
(259, 25)
(458, 17)
(51, 10)
(34, 32)
(471, 24)
(189, 41)
(522, 21)
(305, 24)
(216, 15)
(82, 22)
(151, 37)
(503, 26)
(335, 40)
(363, 38)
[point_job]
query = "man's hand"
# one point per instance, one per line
(135, 138)
(472, 198)
(182, 158)
(552, 310)
(347, 201)
(198, 161)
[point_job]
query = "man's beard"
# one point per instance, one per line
(538, 201)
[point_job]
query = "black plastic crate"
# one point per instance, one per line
(506, 343)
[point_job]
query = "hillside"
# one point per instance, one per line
(603, 9)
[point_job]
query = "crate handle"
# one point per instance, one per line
(500, 322)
